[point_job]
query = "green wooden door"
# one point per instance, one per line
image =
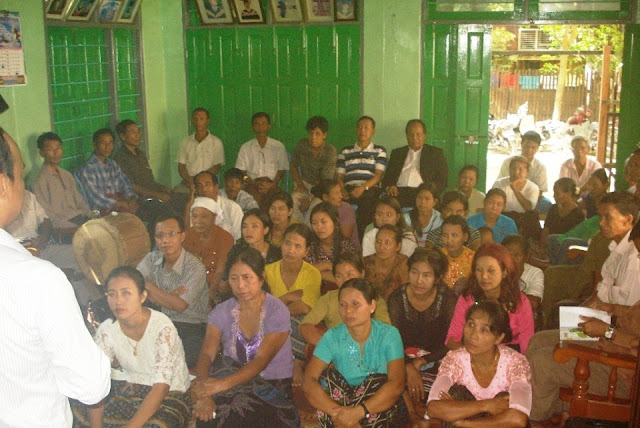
(456, 94)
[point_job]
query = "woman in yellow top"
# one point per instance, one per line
(455, 232)
(297, 284)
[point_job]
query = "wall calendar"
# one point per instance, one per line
(11, 53)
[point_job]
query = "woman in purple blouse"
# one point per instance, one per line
(250, 384)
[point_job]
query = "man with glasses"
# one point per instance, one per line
(263, 161)
(176, 282)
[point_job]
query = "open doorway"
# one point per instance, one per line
(557, 80)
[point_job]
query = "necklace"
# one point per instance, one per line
(495, 360)
(135, 348)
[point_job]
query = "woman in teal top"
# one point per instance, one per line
(366, 382)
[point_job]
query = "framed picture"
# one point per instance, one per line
(214, 11)
(57, 9)
(81, 10)
(108, 11)
(318, 10)
(286, 10)
(249, 11)
(129, 11)
(346, 10)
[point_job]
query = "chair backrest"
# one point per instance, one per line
(634, 422)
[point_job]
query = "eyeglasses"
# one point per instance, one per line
(161, 236)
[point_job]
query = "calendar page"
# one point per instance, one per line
(11, 54)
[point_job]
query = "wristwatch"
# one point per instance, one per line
(608, 334)
(366, 411)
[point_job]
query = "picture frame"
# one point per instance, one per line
(249, 11)
(214, 12)
(58, 9)
(129, 11)
(319, 10)
(286, 11)
(82, 10)
(109, 10)
(345, 10)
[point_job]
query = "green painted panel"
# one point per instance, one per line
(474, 10)
(290, 72)
(456, 93)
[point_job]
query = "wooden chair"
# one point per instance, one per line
(605, 407)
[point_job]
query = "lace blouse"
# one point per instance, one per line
(317, 254)
(160, 355)
(513, 375)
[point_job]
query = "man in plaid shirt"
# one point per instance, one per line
(103, 183)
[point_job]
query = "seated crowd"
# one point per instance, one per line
(379, 290)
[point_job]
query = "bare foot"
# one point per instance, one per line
(298, 372)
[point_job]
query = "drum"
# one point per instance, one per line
(103, 244)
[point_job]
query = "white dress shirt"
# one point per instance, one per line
(620, 274)
(532, 281)
(537, 172)
(409, 244)
(31, 216)
(47, 353)
(410, 175)
(232, 213)
(568, 169)
(262, 161)
(530, 191)
(198, 157)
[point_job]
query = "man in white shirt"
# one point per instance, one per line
(619, 287)
(233, 182)
(201, 151)
(206, 184)
(263, 161)
(47, 354)
(537, 171)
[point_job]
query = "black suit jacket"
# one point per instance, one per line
(433, 167)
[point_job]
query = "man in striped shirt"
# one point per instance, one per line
(359, 170)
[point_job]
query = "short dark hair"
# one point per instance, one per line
(452, 196)
(233, 173)
(318, 122)
(213, 176)
(261, 114)
(456, 220)
(127, 272)
(601, 175)
(397, 232)
(249, 256)
(575, 140)
(532, 136)
(624, 202)
(201, 109)
(434, 257)
(496, 192)
(566, 184)
(498, 318)
(262, 216)
(362, 285)
(47, 136)
(348, 257)
(373, 122)
(469, 168)
(517, 239)
(168, 216)
(411, 122)
(300, 229)
(121, 127)
(6, 158)
(100, 132)
(284, 197)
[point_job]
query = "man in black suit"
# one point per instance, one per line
(414, 164)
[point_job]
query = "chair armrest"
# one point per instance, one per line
(566, 350)
(575, 251)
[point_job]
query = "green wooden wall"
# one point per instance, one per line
(84, 73)
(290, 72)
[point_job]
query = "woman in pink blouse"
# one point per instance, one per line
(495, 278)
(484, 382)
